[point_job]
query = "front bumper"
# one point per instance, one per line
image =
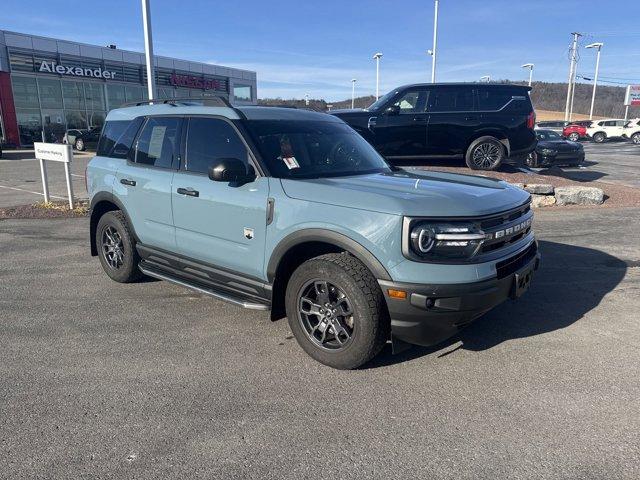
(568, 158)
(432, 313)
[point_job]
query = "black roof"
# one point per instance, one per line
(463, 84)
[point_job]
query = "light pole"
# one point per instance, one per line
(572, 73)
(432, 52)
(148, 49)
(597, 45)
(377, 57)
(485, 78)
(530, 67)
(353, 92)
(306, 99)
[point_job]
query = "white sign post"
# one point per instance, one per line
(55, 152)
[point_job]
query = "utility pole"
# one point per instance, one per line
(597, 45)
(148, 49)
(377, 57)
(353, 92)
(435, 42)
(572, 73)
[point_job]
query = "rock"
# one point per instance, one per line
(539, 188)
(538, 201)
(579, 195)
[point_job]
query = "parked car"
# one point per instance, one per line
(575, 131)
(602, 130)
(483, 124)
(631, 131)
(293, 211)
(552, 149)
(555, 125)
(82, 139)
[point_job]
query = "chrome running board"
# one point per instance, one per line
(206, 291)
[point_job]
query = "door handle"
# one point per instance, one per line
(126, 181)
(190, 192)
(372, 122)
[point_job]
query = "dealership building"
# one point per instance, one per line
(48, 86)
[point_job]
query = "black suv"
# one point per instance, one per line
(484, 124)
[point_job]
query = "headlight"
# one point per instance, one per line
(548, 152)
(441, 241)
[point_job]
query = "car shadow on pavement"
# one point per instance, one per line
(572, 281)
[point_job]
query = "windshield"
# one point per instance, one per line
(381, 101)
(547, 135)
(310, 149)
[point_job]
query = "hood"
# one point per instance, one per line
(559, 145)
(347, 111)
(411, 193)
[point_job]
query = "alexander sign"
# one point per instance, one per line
(190, 81)
(76, 71)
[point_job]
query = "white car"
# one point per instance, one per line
(632, 131)
(600, 130)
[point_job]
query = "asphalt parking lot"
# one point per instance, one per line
(150, 380)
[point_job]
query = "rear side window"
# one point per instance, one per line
(493, 98)
(451, 99)
(156, 145)
(209, 139)
(117, 137)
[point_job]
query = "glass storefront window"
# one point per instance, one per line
(25, 92)
(73, 95)
(94, 95)
(135, 94)
(76, 119)
(54, 125)
(96, 119)
(242, 93)
(50, 93)
(165, 93)
(115, 96)
(29, 125)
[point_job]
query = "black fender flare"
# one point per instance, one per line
(327, 236)
(93, 220)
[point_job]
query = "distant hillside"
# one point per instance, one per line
(544, 95)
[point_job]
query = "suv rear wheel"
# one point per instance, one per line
(599, 137)
(485, 153)
(116, 248)
(336, 310)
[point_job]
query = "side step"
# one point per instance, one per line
(206, 290)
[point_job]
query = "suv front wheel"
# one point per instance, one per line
(635, 138)
(116, 248)
(336, 310)
(485, 153)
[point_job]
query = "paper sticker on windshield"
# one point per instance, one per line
(290, 162)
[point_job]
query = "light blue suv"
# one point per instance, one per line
(292, 211)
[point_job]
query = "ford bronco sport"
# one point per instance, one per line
(292, 211)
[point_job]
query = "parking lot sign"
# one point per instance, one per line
(54, 152)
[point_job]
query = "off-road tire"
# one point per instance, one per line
(485, 143)
(370, 314)
(599, 137)
(128, 272)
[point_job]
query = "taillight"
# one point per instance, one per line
(531, 120)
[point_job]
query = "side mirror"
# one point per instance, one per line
(393, 110)
(231, 170)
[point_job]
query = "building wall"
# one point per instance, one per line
(57, 85)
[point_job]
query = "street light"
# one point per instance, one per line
(435, 42)
(530, 67)
(597, 45)
(353, 92)
(148, 49)
(485, 78)
(377, 57)
(306, 99)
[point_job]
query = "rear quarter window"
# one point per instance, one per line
(117, 137)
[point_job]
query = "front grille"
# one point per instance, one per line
(511, 265)
(507, 228)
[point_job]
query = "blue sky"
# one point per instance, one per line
(316, 47)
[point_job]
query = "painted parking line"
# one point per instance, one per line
(29, 191)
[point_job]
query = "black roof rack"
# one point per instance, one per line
(203, 101)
